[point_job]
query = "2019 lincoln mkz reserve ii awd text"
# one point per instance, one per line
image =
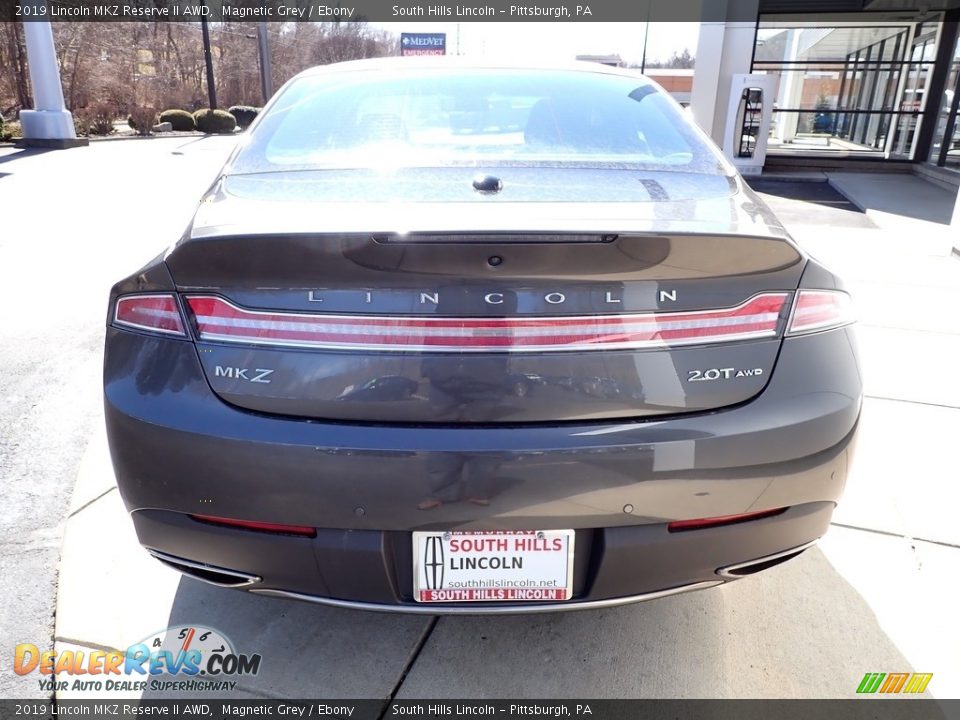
(446, 337)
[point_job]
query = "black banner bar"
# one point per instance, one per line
(420, 11)
(866, 708)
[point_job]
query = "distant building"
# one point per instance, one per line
(678, 83)
(612, 60)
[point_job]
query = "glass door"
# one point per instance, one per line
(913, 99)
(945, 149)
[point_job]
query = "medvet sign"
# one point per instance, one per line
(423, 43)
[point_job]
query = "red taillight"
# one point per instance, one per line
(220, 320)
(701, 523)
(820, 310)
(154, 313)
(304, 530)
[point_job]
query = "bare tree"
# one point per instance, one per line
(677, 61)
(154, 64)
(14, 83)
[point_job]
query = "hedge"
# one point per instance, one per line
(142, 120)
(245, 114)
(214, 121)
(10, 130)
(180, 120)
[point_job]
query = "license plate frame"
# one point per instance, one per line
(444, 573)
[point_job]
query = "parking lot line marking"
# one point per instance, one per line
(91, 502)
(893, 534)
(418, 648)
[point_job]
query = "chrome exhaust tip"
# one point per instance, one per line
(739, 570)
(221, 577)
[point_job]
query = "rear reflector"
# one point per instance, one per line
(304, 530)
(155, 313)
(821, 310)
(701, 523)
(220, 320)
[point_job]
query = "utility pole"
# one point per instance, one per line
(208, 57)
(646, 36)
(266, 76)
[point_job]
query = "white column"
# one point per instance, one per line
(706, 77)
(50, 120)
(723, 50)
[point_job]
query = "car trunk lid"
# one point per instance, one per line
(483, 327)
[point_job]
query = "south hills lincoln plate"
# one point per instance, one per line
(493, 566)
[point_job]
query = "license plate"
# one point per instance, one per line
(465, 566)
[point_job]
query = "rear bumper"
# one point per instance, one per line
(373, 570)
(178, 449)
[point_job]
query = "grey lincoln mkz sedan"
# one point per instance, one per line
(472, 338)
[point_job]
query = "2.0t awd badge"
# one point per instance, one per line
(721, 374)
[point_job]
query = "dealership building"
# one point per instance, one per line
(858, 84)
(846, 83)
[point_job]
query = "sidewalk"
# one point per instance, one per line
(74, 222)
(898, 202)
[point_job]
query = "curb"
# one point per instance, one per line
(18, 142)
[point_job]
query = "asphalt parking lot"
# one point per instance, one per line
(877, 595)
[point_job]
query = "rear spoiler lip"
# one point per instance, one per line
(686, 227)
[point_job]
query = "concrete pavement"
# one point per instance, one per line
(877, 595)
(73, 222)
(897, 200)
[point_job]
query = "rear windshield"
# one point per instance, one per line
(450, 117)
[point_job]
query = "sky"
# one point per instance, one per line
(559, 41)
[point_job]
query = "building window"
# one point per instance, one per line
(847, 90)
(945, 149)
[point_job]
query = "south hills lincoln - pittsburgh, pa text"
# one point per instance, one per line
(513, 11)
